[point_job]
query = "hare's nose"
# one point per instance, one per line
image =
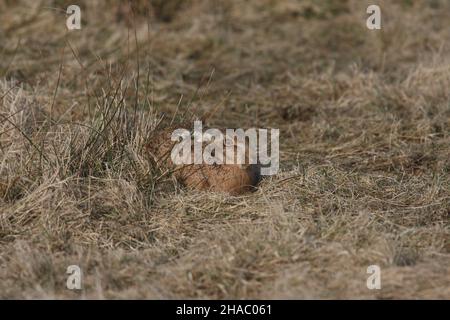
(254, 172)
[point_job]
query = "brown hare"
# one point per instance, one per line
(233, 179)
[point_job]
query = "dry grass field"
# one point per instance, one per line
(364, 119)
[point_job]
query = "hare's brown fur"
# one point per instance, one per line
(229, 178)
